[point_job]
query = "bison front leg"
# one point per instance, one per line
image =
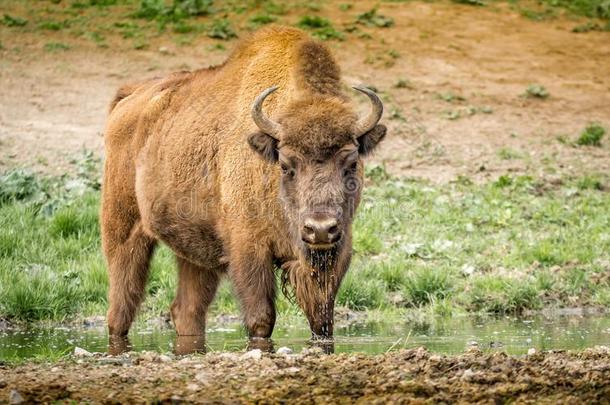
(254, 283)
(196, 289)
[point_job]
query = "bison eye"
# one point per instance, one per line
(287, 171)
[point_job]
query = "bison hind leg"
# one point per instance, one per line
(128, 264)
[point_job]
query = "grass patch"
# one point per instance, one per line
(56, 46)
(506, 246)
(319, 27)
(373, 19)
(591, 136)
(221, 29)
(536, 91)
(12, 21)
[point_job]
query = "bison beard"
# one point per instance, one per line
(322, 260)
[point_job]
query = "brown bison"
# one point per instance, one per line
(193, 161)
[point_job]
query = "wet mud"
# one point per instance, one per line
(406, 376)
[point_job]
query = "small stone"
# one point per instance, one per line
(15, 397)
(284, 350)
(147, 356)
(53, 370)
(531, 351)
(467, 375)
(255, 354)
(192, 387)
(203, 377)
(94, 321)
(292, 370)
(80, 352)
(164, 50)
(164, 358)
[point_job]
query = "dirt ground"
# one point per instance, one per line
(53, 104)
(407, 376)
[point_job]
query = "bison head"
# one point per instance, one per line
(318, 144)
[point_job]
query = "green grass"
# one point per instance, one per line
(592, 135)
(319, 27)
(509, 245)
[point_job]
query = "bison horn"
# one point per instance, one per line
(266, 125)
(365, 124)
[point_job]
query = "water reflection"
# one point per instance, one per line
(513, 335)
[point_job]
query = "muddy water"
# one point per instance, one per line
(509, 334)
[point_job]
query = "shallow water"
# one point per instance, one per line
(509, 334)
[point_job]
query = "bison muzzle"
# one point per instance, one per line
(195, 161)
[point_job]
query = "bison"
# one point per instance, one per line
(192, 160)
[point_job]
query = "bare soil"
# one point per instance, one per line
(53, 104)
(407, 376)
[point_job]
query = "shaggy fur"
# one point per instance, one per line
(186, 165)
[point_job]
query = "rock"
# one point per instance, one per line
(292, 370)
(80, 352)
(203, 377)
(164, 358)
(2, 383)
(255, 354)
(467, 375)
(164, 50)
(228, 356)
(192, 387)
(531, 352)
(315, 350)
(94, 321)
(284, 350)
(148, 356)
(15, 397)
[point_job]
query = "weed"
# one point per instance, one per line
(361, 294)
(592, 135)
(538, 15)
(216, 47)
(271, 7)
(180, 9)
(591, 26)
(426, 284)
(53, 25)
(221, 29)
(18, 185)
(450, 97)
(470, 2)
(320, 27)
(56, 46)
(313, 22)
(372, 19)
(259, 20)
(345, 6)
(394, 54)
(590, 182)
(589, 8)
(536, 91)
(11, 21)
(403, 84)
(509, 154)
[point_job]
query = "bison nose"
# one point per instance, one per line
(320, 231)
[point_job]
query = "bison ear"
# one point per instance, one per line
(371, 139)
(265, 145)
